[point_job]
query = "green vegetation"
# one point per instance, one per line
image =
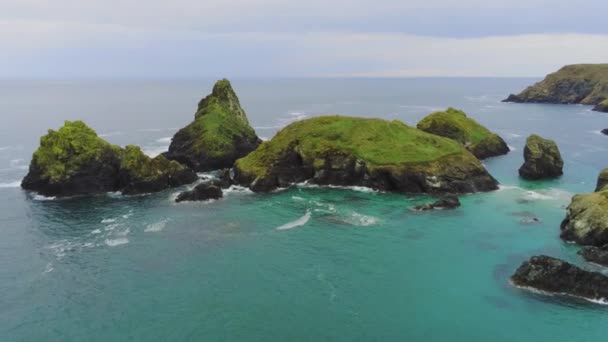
(455, 124)
(377, 142)
(578, 83)
(142, 168)
(64, 152)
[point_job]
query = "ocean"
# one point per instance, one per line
(300, 264)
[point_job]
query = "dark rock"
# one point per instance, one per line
(542, 159)
(530, 220)
(602, 180)
(201, 192)
(604, 131)
(602, 107)
(598, 255)
(557, 276)
(445, 202)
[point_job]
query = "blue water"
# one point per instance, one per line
(345, 265)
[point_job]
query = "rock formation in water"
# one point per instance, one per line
(542, 159)
(579, 83)
(75, 161)
(586, 221)
(445, 202)
(557, 276)
(380, 154)
(455, 124)
(597, 255)
(201, 192)
(601, 107)
(219, 135)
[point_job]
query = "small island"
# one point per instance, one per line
(376, 153)
(573, 84)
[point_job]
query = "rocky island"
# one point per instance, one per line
(75, 161)
(380, 154)
(542, 159)
(573, 84)
(455, 124)
(586, 221)
(219, 135)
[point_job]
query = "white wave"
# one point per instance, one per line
(341, 187)
(237, 189)
(165, 140)
(49, 268)
(153, 151)
(114, 194)
(511, 148)
(156, 227)
(601, 301)
(111, 227)
(124, 232)
(127, 215)
(110, 220)
(297, 223)
(357, 219)
(39, 197)
(508, 187)
(297, 198)
(116, 242)
(598, 132)
(96, 231)
(18, 164)
(264, 138)
(14, 184)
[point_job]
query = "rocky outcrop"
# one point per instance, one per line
(542, 159)
(601, 107)
(75, 161)
(445, 202)
(455, 124)
(219, 135)
(557, 276)
(579, 83)
(380, 154)
(586, 221)
(597, 255)
(604, 131)
(202, 192)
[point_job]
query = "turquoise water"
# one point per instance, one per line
(300, 264)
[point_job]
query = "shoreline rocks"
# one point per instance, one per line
(597, 255)
(455, 124)
(556, 276)
(445, 202)
(602, 107)
(375, 153)
(572, 84)
(201, 192)
(542, 159)
(75, 161)
(219, 135)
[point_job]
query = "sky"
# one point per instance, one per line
(68, 39)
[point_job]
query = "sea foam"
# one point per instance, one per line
(297, 223)
(116, 242)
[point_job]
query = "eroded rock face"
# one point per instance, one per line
(455, 124)
(601, 107)
(557, 276)
(445, 202)
(597, 255)
(602, 180)
(579, 83)
(375, 153)
(219, 135)
(542, 159)
(202, 192)
(75, 161)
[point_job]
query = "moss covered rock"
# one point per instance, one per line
(385, 155)
(455, 124)
(542, 159)
(219, 134)
(579, 83)
(601, 107)
(75, 161)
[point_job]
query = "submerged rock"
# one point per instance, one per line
(75, 161)
(455, 124)
(219, 135)
(202, 192)
(445, 202)
(542, 159)
(604, 131)
(579, 83)
(379, 154)
(557, 276)
(598, 255)
(586, 221)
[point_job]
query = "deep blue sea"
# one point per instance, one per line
(302, 264)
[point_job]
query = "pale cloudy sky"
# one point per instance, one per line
(312, 38)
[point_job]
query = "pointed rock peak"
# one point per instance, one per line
(224, 99)
(223, 89)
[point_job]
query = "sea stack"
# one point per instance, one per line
(219, 135)
(586, 221)
(572, 84)
(542, 159)
(75, 161)
(376, 153)
(455, 124)
(559, 277)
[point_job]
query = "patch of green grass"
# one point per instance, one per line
(454, 124)
(378, 142)
(65, 151)
(143, 168)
